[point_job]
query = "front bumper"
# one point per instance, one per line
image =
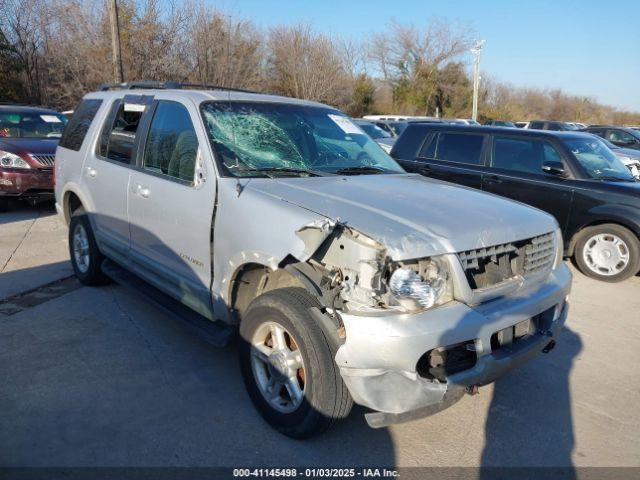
(379, 358)
(26, 183)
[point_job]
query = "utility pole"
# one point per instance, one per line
(118, 74)
(477, 48)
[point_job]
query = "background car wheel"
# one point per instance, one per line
(4, 204)
(288, 365)
(608, 252)
(86, 259)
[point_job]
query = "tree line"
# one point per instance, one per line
(54, 51)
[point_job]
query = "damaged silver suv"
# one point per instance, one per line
(348, 279)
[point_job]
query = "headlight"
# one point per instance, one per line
(385, 147)
(11, 160)
(559, 249)
(422, 285)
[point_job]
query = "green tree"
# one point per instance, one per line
(362, 97)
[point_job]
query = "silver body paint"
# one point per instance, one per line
(263, 220)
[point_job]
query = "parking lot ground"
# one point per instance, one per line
(101, 377)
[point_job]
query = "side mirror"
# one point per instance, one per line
(554, 168)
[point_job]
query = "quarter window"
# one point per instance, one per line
(459, 148)
(172, 144)
(77, 128)
(522, 155)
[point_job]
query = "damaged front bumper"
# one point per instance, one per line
(379, 360)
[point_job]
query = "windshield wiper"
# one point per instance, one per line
(362, 169)
(269, 170)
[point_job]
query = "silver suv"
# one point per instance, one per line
(348, 279)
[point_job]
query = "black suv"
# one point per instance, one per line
(551, 125)
(571, 175)
(621, 136)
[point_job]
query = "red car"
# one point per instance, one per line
(28, 140)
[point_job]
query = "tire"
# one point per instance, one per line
(87, 266)
(325, 398)
(4, 204)
(598, 248)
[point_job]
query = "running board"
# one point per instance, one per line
(216, 333)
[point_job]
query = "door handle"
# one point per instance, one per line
(144, 191)
(493, 179)
(91, 172)
(140, 190)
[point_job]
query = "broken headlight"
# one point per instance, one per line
(415, 286)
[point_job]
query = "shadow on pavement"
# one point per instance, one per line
(99, 377)
(19, 211)
(530, 421)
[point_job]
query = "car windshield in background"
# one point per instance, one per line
(268, 139)
(598, 160)
(19, 124)
(398, 127)
(373, 131)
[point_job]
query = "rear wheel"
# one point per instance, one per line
(608, 252)
(288, 365)
(4, 204)
(86, 258)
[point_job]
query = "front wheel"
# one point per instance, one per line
(288, 365)
(608, 252)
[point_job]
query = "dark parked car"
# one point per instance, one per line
(380, 136)
(28, 140)
(500, 123)
(620, 136)
(551, 125)
(571, 175)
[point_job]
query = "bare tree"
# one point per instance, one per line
(411, 59)
(225, 52)
(21, 24)
(303, 64)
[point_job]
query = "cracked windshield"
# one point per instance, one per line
(264, 139)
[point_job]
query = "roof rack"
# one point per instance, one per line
(153, 85)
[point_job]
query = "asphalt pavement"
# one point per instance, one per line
(101, 377)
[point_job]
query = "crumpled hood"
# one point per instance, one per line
(411, 215)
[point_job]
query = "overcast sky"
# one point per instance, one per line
(589, 47)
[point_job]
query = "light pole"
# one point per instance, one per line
(118, 74)
(477, 48)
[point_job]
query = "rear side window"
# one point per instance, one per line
(522, 155)
(172, 144)
(409, 143)
(77, 128)
(536, 125)
(119, 135)
(460, 148)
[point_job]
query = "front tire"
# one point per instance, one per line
(608, 252)
(86, 258)
(288, 366)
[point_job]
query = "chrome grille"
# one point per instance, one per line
(44, 159)
(540, 254)
(488, 266)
